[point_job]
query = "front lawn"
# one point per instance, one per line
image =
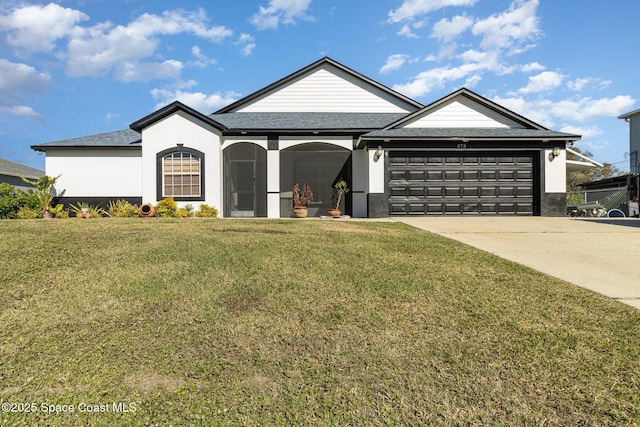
(308, 322)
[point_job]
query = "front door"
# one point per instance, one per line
(245, 181)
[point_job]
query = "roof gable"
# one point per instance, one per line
(169, 110)
(325, 86)
(465, 109)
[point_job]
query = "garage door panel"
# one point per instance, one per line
(415, 175)
(436, 184)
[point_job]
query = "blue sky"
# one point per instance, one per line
(78, 67)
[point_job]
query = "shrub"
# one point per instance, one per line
(122, 209)
(59, 211)
(185, 212)
(11, 199)
(166, 208)
(182, 213)
(207, 211)
(25, 212)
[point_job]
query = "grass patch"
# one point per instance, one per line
(280, 322)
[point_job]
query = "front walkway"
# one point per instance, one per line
(602, 255)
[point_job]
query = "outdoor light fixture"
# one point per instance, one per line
(378, 153)
(554, 153)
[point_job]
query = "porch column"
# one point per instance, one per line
(273, 177)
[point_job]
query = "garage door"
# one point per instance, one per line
(423, 184)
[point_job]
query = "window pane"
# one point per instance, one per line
(181, 173)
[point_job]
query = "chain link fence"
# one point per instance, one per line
(597, 202)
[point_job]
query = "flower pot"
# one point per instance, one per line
(300, 212)
(79, 215)
(146, 211)
(335, 212)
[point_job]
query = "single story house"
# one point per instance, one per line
(10, 173)
(462, 154)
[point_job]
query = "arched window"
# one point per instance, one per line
(180, 174)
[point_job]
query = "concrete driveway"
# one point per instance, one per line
(602, 255)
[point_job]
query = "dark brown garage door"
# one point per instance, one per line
(424, 184)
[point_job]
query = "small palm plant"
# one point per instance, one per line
(339, 189)
(45, 192)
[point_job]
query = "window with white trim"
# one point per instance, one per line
(181, 174)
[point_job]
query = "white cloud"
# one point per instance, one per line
(36, 28)
(578, 84)
(545, 81)
(585, 132)
(394, 62)
(532, 67)
(472, 81)
(17, 80)
(247, 43)
(405, 30)
(199, 101)
(446, 31)
(110, 116)
(285, 11)
(436, 78)
(507, 30)
(202, 59)
(21, 111)
(147, 71)
(499, 35)
(410, 9)
(104, 48)
(546, 111)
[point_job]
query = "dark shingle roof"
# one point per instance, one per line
(306, 121)
(9, 168)
(483, 133)
(125, 138)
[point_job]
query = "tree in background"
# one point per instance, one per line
(575, 179)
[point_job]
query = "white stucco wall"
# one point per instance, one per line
(96, 173)
(290, 141)
(181, 128)
(555, 172)
(376, 172)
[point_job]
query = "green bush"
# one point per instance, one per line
(182, 213)
(207, 211)
(59, 211)
(11, 199)
(166, 208)
(122, 209)
(25, 212)
(185, 212)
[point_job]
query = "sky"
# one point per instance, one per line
(74, 68)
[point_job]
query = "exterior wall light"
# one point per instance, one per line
(378, 153)
(554, 153)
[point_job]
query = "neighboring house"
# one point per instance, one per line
(462, 154)
(634, 140)
(10, 173)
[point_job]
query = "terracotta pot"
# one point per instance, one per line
(146, 211)
(335, 212)
(300, 212)
(80, 215)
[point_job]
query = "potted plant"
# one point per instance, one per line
(339, 189)
(81, 210)
(301, 198)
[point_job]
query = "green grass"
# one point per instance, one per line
(284, 322)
